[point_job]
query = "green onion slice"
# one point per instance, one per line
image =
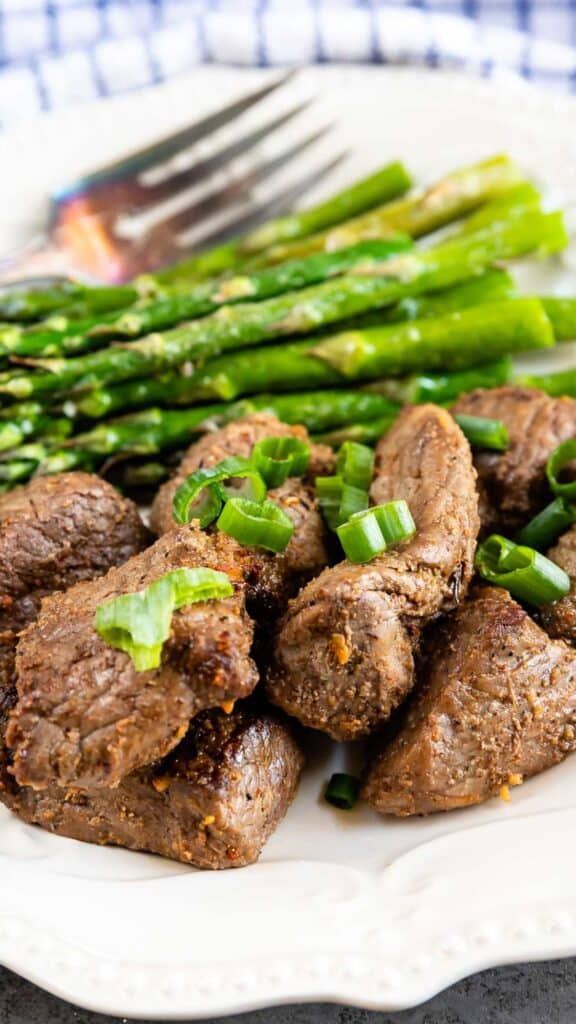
(560, 458)
(484, 433)
(361, 537)
(277, 458)
(256, 524)
(202, 494)
(542, 531)
(139, 623)
(342, 791)
(329, 492)
(395, 520)
(355, 464)
(525, 573)
(352, 501)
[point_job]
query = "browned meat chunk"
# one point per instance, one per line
(559, 619)
(273, 577)
(345, 649)
(212, 803)
(512, 485)
(497, 705)
(54, 532)
(85, 716)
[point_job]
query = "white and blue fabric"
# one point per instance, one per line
(54, 53)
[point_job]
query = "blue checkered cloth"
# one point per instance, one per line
(54, 53)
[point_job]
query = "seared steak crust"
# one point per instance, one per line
(559, 619)
(55, 531)
(345, 648)
(497, 705)
(212, 803)
(85, 716)
(512, 484)
(278, 575)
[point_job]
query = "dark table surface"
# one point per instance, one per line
(532, 994)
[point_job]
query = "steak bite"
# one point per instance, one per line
(212, 803)
(306, 553)
(54, 531)
(85, 716)
(345, 648)
(497, 705)
(559, 619)
(512, 484)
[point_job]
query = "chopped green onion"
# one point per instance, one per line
(525, 573)
(484, 433)
(395, 520)
(329, 492)
(361, 537)
(202, 494)
(564, 454)
(342, 791)
(352, 501)
(139, 623)
(541, 532)
(277, 458)
(355, 464)
(256, 524)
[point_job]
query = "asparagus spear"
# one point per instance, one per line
(516, 202)
(176, 389)
(442, 388)
(204, 298)
(456, 341)
(425, 211)
(563, 382)
(368, 432)
(562, 315)
(34, 304)
(384, 184)
(249, 324)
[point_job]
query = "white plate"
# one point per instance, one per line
(350, 908)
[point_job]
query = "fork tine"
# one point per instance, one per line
(148, 195)
(149, 156)
(219, 199)
(273, 207)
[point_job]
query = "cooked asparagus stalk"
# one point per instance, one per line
(34, 304)
(249, 324)
(443, 387)
(386, 183)
(456, 341)
(368, 432)
(562, 315)
(164, 312)
(419, 214)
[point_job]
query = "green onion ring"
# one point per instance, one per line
(559, 459)
(525, 573)
(277, 458)
(256, 524)
(219, 480)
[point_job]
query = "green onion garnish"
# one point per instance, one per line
(329, 492)
(139, 623)
(277, 458)
(256, 524)
(355, 464)
(202, 494)
(484, 433)
(352, 501)
(525, 573)
(342, 791)
(369, 533)
(542, 531)
(560, 458)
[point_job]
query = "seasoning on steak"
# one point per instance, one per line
(559, 619)
(512, 484)
(273, 577)
(55, 531)
(85, 716)
(497, 705)
(345, 648)
(212, 803)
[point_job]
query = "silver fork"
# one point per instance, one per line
(93, 228)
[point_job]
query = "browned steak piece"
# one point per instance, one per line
(212, 803)
(275, 576)
(559, 619)
(55, 531)
(345, 649)
(85, 716)
(512, 484)
(497, 705)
